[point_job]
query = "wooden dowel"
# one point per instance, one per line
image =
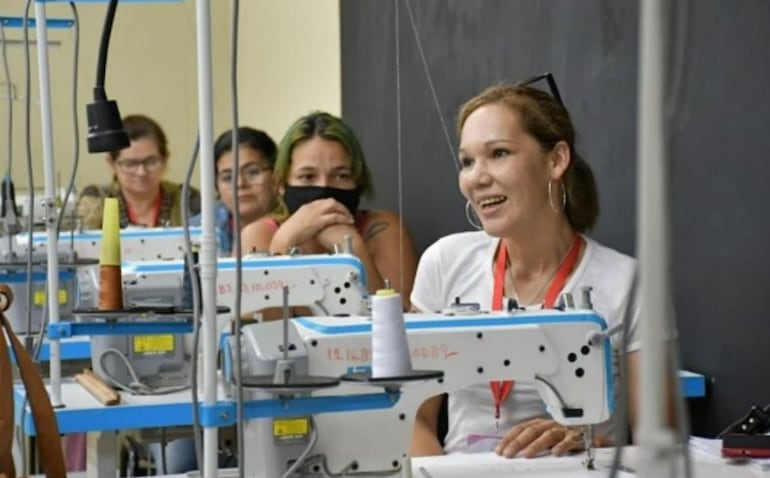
(97, 387)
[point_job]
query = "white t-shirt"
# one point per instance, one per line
(461, 266)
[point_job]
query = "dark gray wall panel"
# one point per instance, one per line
(718, 150)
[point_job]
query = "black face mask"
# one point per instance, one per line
(297, 196)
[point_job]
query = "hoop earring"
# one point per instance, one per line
(470, 214)
(563, 197)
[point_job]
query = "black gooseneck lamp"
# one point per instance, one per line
(105, 128)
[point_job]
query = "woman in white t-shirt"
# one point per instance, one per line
(534, 197)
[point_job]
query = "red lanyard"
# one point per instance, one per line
(132, 217)
(501, 390)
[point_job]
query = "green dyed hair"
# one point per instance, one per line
(329, 127)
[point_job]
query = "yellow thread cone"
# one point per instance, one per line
(110, 255)
(110, 279)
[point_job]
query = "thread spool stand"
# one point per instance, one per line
(391, 363)
(284, 380)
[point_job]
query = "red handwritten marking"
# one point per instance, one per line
(250, 287)
(364, 354)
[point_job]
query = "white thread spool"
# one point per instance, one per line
(390, 349)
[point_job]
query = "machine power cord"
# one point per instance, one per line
(305, 453)
(135, 387)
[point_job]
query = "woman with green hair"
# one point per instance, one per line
(321, 175)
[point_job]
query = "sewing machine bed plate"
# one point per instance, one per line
(487, 464)
(482, 465)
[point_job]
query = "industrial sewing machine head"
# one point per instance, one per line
(78, 283)
(565, 353)
(13, 271)
(136, 244)
(327, 284)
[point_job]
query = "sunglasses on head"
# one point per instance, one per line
(551, 85)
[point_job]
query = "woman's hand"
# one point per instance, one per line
(308, 221)
(533, 437)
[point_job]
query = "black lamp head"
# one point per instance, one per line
(105, 128)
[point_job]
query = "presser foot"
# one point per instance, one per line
(588, 439)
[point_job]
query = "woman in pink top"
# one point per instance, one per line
(321, 174)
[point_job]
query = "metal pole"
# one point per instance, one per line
(49, 201)
(208, 258)
(656, 439)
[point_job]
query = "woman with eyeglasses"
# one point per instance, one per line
(144, 198)
(256, 198)
(321, 175)
(254, 182)
(534, 199)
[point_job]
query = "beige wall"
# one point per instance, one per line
(289, 64)
(289, 61)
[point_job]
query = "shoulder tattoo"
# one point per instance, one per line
(375, 228)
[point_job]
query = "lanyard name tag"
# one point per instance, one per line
(501, 390)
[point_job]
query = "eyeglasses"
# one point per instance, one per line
(153, 163)
(551, 85)
(252, 174)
